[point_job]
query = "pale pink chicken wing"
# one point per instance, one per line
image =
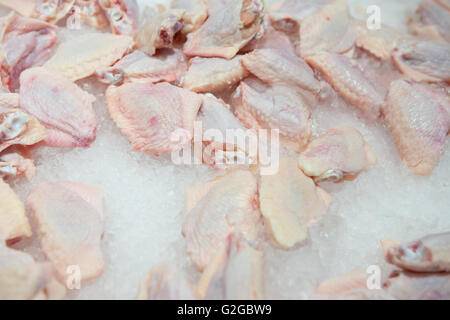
(444, 3)
(235, 274)
(423, 60)
(428, 254)
(270, 39)
(13, 163)
(229, 27)
(216, 114)
(168, 65)
(289, 203)
(47, 10)
(341, 153)
(91, 13)
(217, 120)
(353, 280)
(288, 16)
(13, 218)
(213, 74)
(24, 43)
(150, 114)
(275, 61)
(350, 82)
(281, 107)
(19, 128)
(64, 108)
(380, 42)
(244, 272)
(329, 29)
(80, 57)
(21, 278)
(8, 99)
(122, 15)
(195, 13)
(343, 285)
(417, 286)
(164, 282)
(224, 206)
(158, 29)
(419, 120)
(54, 290)
(433, 21)
(350, 286)
(69, 219)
